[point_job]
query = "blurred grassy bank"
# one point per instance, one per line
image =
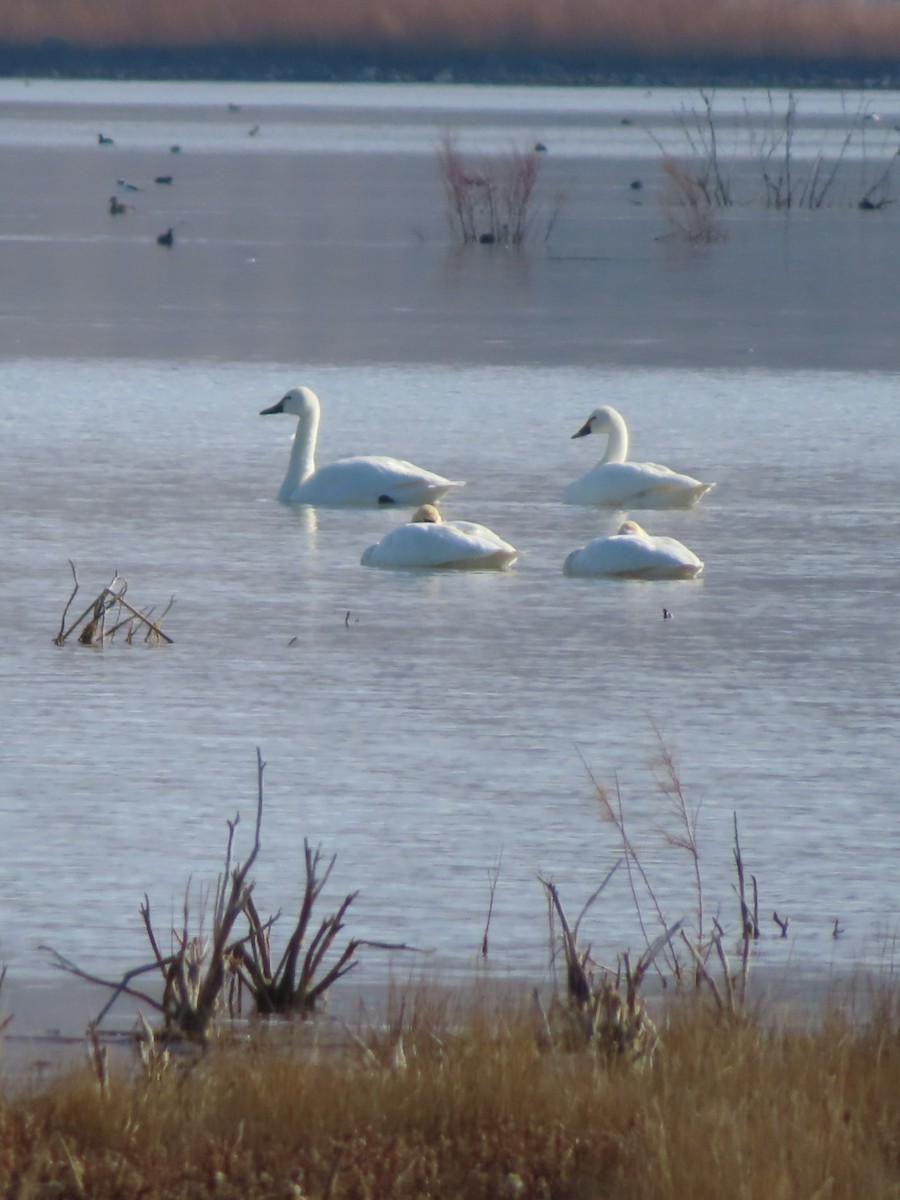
(577, 41)
(475, 1106)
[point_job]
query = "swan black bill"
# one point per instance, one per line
(276, 408)
(583, 431)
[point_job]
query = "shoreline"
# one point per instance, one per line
(58, 59)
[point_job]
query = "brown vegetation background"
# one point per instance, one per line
(771, 29)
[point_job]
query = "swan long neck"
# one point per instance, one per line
(302, 462)
(616, 440)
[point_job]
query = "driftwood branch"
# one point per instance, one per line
(300, 978)
(60, 637)
(203, 971)
(121, 987)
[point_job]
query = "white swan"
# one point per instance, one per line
(364, 481)
(615, 483)
(428, 541)
(632, 553)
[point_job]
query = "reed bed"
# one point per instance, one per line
(470, 1102)
(780, 29)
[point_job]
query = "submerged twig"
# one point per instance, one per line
(493, 876)
(92, 620)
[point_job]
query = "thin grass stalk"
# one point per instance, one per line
(493, 876)
(727, 977)
(704, 973)
(578, 984)
(632, 858)
(520, 179)
(826, 187)
(688, 818)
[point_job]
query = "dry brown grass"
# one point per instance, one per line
(490, 200)
(474, 1106)
(841, 29)
(687, 205)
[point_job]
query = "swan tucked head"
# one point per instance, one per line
(427, 515)
(299, 402)
(601, 420)
(631, 529)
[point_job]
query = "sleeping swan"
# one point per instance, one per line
(633, 554)
(427, 541)
(349, 481)
(615, 483)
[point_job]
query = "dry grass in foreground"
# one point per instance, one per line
(478, 1106)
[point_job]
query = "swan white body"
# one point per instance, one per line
(632, 553)
(428, 541)
(357, 482)
(615, 483)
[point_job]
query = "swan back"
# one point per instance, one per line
(633, 553)
(429, 542)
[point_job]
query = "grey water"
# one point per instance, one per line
(434, 729)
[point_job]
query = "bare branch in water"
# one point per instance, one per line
(493, 876)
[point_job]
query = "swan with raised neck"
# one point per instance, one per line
(362, 481)
(616, 483)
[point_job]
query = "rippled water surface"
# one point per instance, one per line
(429, 728)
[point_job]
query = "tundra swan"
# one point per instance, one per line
(428, 541)
(363, 481)
(615, 483)
(632, 553)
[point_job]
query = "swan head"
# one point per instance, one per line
(601, 420)
(631, 529)
(427, 515)
(298, 402)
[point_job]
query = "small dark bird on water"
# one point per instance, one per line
(166, 239)
(174, 149)
(117, 208)
(163, 179)
(254, 131)
(667, 616)
(103, 140)
(126, 186)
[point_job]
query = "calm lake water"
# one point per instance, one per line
(429, 728)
